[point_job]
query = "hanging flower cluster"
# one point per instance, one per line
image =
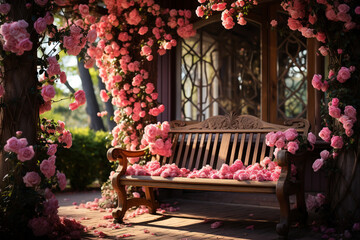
(336, 26)
(290, 140)
(131, 35)
(237, 10)
(156, 137)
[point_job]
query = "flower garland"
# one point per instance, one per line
(335, 24)
(130, 36)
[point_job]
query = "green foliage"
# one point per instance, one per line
(86, 160)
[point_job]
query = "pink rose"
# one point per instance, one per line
(61, 180)
(316, 81)
(39, 226)
(324, 154)
(321, 37)
(199, 11)
(323, 51)
(330, 14)
(350, 111)
(26, 153)
(5, 8)
(334, 112)
(317, 164)
(104, 96)
(12, 145)
(335, 102)
(337, 142)
(294, 24)
(143, 30)
(325, 134)
(349, 132)
(91, 36)
(273, 23)
(48, 92)
(51, 207)
(344, 8)
(66, 138)
(31, 179)
(311, 138)
(280, 143)
(343, 74)
(290, 134)
(40, 25)
(80, 97)
(292, 147)
(63, 77)
(52, 149)
(45, 107)
(47, 167)
(357, 10)
(84, 9)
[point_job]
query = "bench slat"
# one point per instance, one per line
(207, 149)
(214, 150)
(197, 165)
(224, 148)
(188, 143)
(263, 149)
(256, 149)
(248, 149)
(232, 156)
(173, 148)
(271, 152)
(180, 149)
(241, 149)
(193, 151)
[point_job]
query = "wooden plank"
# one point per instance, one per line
(197, 164)
(191, 160)
(214, 150)
(248, 149)
(256, 149)
(263, 149)
(224, 148)
(232, 156)
(271, 153)
(241, 149)
(174, 144)
(207, 150)
(188, 143)
(178, 154)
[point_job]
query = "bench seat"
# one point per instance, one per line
(207, 184)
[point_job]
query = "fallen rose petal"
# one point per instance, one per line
(216, 224)
(74, 203)
(250, 227)
(146, 231)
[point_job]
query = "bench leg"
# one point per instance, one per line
(282, 228)
(119, 212)
(149, 193)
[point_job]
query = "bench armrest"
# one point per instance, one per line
(121, 155)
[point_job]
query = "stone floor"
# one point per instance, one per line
(239, 221)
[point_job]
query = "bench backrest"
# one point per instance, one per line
(223, 139)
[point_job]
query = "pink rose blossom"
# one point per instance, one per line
(61, 180)
(48, 92)
(311, 138)
(66, 138)
(25, 154)
(292, 147)
(334, 112)
(52, 149)
(143, 30)
(104, 96)
(335, 102)
(31, 179)
(343, 74)
(5, 8)
(350, 111)
(316, 81)
(273, 23)
(323, 51)
(290, 134)
(337, 142)
(84, 9)
(63, 77)
(357, 10)
(41, 2)
(324, 154)
(47, 167)
(40, 25)
(318, 164)
(325, 134)
(12, 145)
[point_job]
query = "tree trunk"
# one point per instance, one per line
(20, 104)
(108, 106)
(92, 107)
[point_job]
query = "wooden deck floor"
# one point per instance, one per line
(187, 223)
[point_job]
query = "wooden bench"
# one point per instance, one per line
(217, 140)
